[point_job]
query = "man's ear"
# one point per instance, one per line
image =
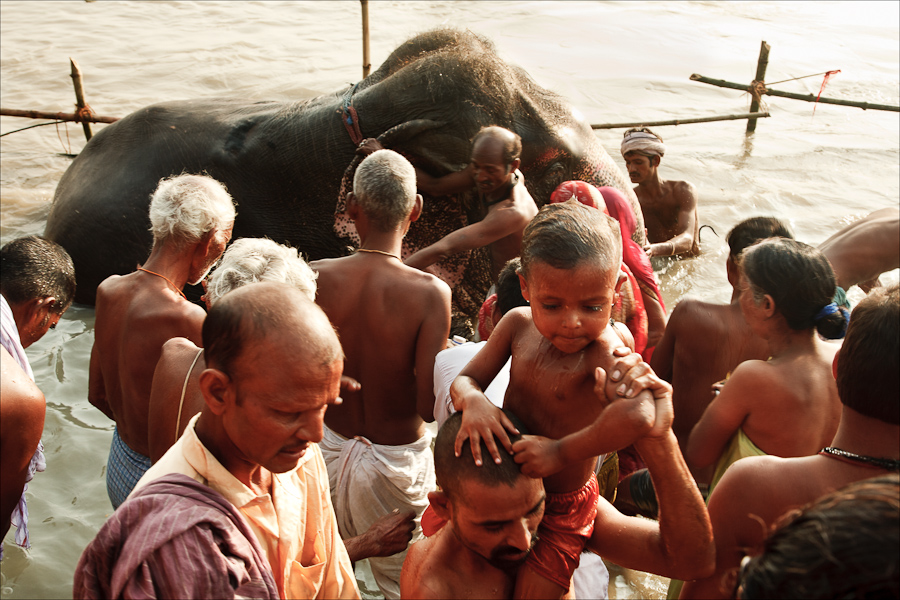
(514, 165)
(496, 315)
(352, 206)
(731, 269)
(440, 503)
(655, 160)
(217, 389)
(524, 285)
(416, 211)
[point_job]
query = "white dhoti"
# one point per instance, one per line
(370, 480)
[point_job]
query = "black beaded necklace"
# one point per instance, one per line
(887, 464)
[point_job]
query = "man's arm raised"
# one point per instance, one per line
(496, 225)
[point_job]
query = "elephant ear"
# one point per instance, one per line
(343, 226)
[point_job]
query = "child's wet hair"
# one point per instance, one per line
(565, 234)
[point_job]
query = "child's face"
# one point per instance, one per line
(570, 307)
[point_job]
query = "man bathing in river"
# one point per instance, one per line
(493, 171)
(392, 320)
(191, 219)
(669, 207)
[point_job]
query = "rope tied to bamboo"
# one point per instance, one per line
(84, 114)
(756, 89)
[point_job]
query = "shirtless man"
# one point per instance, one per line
(493, 172)
(756, 491)
(669, 207)
(863, 250)
(493, 512)
(392, 320)
(704, 342)
(191, 219)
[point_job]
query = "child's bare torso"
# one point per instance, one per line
(552, 393)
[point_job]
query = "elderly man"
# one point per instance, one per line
(273, 366)
(493, 171)
(37, 284)
(860, 252)
(393, 320)
(493, 512)
(669, 207)
(191, 219)
(756, 491)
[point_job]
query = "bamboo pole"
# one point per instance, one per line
(37, 114)
(761, 65)
(79, 96)
(367, 64)
(754, 115)
(808, 98)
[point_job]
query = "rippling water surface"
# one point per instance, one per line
(616, 62)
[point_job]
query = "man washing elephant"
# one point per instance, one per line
(191, 219)
(493, 171)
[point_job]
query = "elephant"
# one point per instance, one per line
(289, 165)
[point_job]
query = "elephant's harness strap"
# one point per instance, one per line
(349, 117)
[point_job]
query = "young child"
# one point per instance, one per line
(560, 348)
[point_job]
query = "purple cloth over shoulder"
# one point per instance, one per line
(175, 538)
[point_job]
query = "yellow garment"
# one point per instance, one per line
(739, 447)
(295, 526)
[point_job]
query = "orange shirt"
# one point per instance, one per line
(295, 525)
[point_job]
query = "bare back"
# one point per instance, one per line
(392, 320)
(863, 250)
(553, 392)
(178, 371)
(702, 345)
(136, 315)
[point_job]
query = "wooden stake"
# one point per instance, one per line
(37, 114)
(807, 98)
(755, 115)
(761, 65)
(79, 96)
(367, 65)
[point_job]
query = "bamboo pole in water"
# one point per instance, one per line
(37, 114)
(807, 98)
(79, 97)
(367, 64)
(761, 65)
(753, 115)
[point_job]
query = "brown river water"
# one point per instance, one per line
(616, 62)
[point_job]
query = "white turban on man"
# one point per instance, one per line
(643, 141)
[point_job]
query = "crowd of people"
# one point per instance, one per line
(266, 444)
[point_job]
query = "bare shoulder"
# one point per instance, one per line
(177, 349)
(691, 313)
(21, 396)
(683, 192)
(421, 577)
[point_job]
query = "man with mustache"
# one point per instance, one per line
(669, 207)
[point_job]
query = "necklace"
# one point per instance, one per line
(888, 464)
(379, 252)
(164, 277)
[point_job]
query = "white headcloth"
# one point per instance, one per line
(644, 142)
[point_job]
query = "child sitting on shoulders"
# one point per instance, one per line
(561, 347)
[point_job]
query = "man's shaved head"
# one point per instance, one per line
(450, 470)
(511, 142)
(260, 310)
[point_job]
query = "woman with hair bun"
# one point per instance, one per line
(787, 405)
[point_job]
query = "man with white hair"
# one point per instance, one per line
(392, 319)
(669, 207)
(191, 219)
